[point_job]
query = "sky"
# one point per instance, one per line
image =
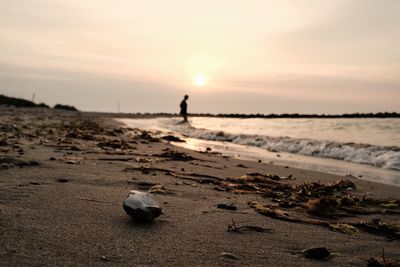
(259, 56)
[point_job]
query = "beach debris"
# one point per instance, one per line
(197, 177)
(175, 155)
(115, 144)
(318, 253)
(323, 207)
(270, 211)
(11, 161)
(80, 128)
(382, 261)
(344, 228)
(229, 256)
(308, 203)
(171, 138)
(227, 206)
(158, 189)
(117, 159)
(378, 227)
(141, 206)
(232, 227)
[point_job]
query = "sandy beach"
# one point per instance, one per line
(64, 176)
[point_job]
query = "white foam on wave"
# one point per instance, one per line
(387, 157)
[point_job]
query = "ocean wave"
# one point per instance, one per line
(380, 156)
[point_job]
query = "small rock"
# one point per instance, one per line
(34, 183)
(141, 206)
(70, 162)
(228, 206)
(319, 253)
(259, 160)
(52, 158)
(62, 180)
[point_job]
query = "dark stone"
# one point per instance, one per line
(319, 253)
(141, 206)
(227, 206)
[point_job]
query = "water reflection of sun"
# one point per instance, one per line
(200, 80)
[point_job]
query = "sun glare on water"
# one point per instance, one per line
(200, 80)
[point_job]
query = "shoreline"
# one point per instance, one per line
(67, 210)
(329, 165)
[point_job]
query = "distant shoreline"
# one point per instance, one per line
(380, 115)
(22, 103)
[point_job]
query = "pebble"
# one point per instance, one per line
(319, 253)
(141, 206)
(227, 206)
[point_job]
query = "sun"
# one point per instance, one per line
(200, 80)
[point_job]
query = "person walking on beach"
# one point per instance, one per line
(183, 106)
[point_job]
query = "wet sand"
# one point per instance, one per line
(63, 204)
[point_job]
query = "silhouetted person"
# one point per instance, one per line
(183, 106)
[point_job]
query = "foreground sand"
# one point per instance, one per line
(68, 209)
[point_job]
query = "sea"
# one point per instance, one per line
(366, 148)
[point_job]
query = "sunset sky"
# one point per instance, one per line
(259, 56)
